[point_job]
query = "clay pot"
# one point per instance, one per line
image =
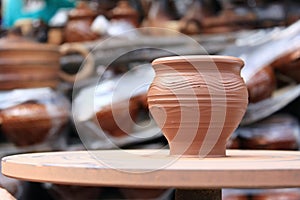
(124, 11)
(262, 85)
(32, 123)
(289, 64)
(197, 101)
(28, 64)
(278, 132)
(161, 14)
(120, 125)
(78, 28)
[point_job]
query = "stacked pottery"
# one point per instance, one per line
(197, 101)
(28, 64)
(30, 111)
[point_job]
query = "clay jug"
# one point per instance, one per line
(28, 64)
(197, 101)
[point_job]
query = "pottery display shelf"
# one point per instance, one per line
(194, 178)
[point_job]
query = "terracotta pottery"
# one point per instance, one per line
(289, 64)
(109, 123)
(32, 123)
(262, 85)
(28, 64)
(124, 11)
(78, 27)
(197, 101)
(121, 125)
(207, 19)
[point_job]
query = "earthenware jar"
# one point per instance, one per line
(197, 101)
(29, 64)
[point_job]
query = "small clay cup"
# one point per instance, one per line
(197, 101)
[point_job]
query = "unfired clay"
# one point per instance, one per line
(197, 101)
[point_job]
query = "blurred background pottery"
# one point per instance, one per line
(289, 65)
(28, 64)
(261, 85)
(189, 94)
(124, 11)
(32, 116)
(78, 26)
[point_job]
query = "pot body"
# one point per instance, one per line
(29, 69)
(28, 64)
(197, 101)
(78, 27)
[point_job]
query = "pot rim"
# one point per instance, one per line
(198, 58)
(15, 47)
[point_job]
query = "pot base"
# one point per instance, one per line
(193, 151)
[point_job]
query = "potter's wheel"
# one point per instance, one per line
(155, 169)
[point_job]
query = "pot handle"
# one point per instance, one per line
(85, 71)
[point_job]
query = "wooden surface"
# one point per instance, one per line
(156, 169)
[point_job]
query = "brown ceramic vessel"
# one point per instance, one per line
(78, 27)
(28, 64)
(32, 123)
(262, 85)
(197, 101)
(289, 64)
(121, 125)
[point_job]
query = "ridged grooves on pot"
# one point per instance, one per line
(197, 101)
